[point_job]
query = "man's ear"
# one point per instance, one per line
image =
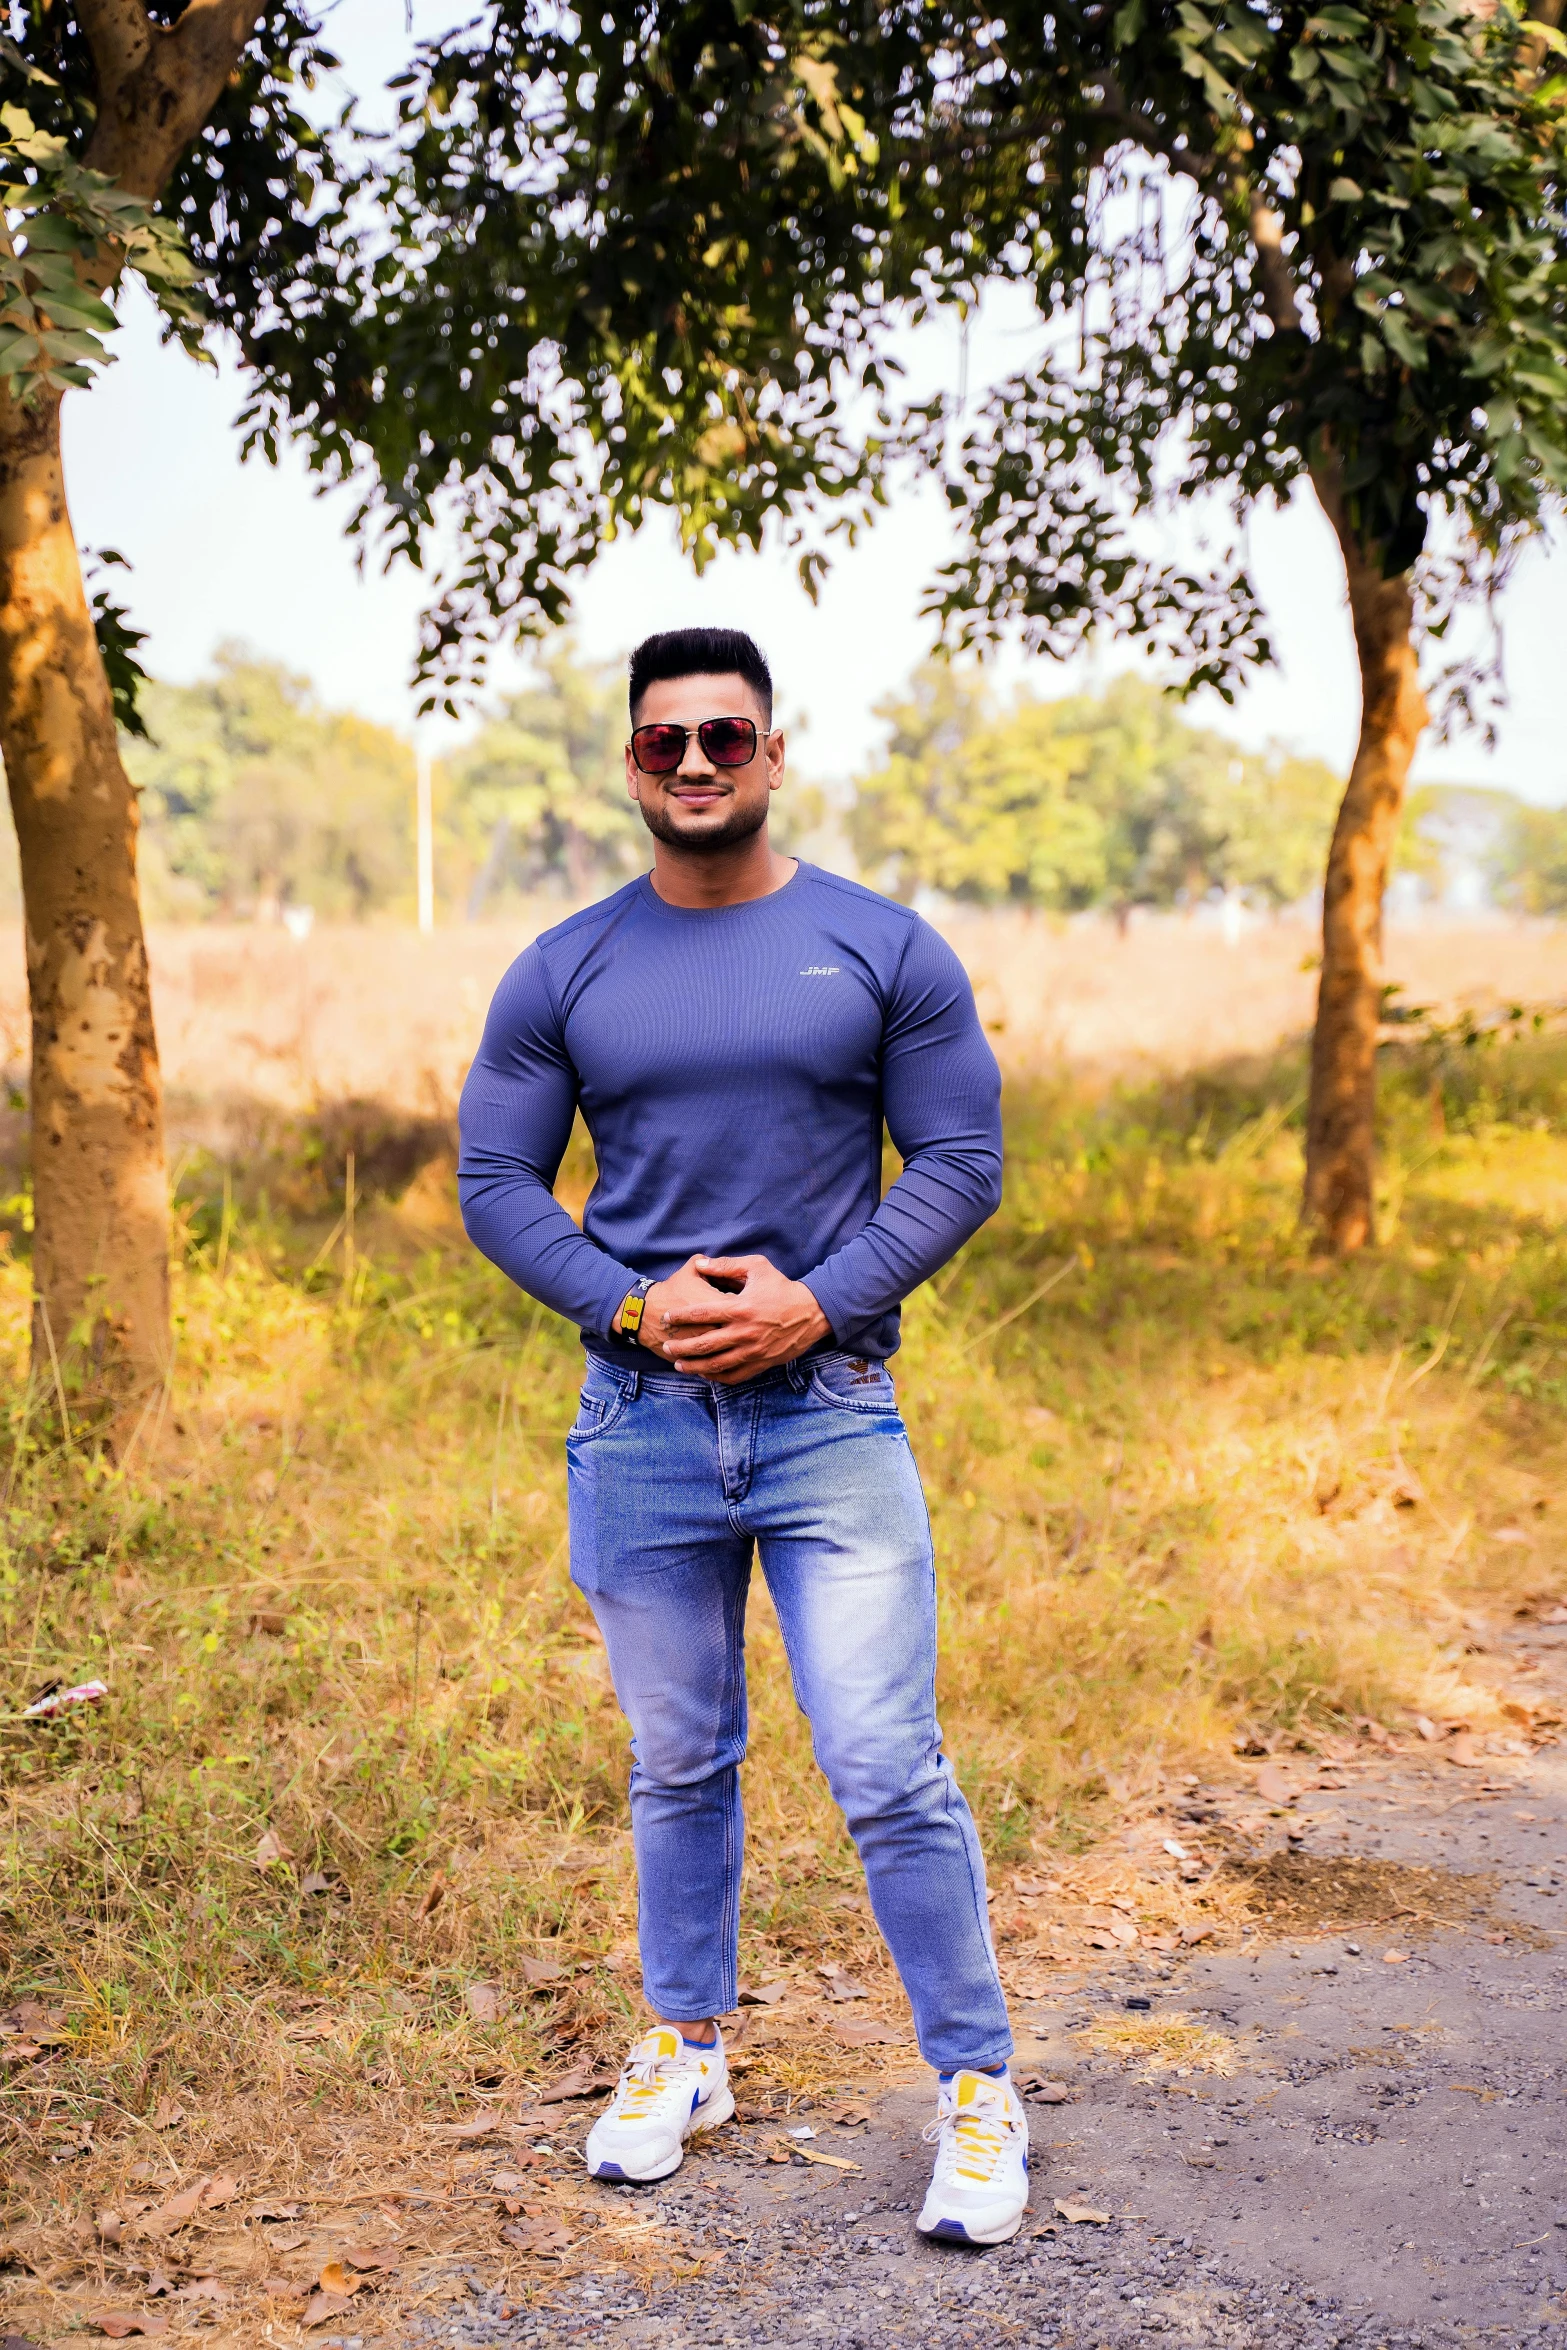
(775, 759)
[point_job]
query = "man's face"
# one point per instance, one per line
(700, 806)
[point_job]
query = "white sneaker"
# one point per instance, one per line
(980, 2189)
(668, 2090)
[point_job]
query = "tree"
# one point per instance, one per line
(1115, 799)
(1304, 245)
(544, 785)
(562, 292)
(253, 796)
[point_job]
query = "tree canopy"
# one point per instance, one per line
(1088, 800)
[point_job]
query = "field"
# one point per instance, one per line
(346, 1840)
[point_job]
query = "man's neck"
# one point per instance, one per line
(722, 877)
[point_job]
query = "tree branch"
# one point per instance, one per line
(120, 34)
(1274, 274)
(150, 112)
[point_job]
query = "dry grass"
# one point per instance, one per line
(1162, 2043)
(1189, 1487)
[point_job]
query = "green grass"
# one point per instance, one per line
(1188, 1484)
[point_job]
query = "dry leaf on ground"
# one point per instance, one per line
(119, 2323)
(1275, 1785)
(581, 2081)
(841, 1984)
(372, 2256)
(863, 2031)
(538, 1971)
(477, 2125)
(542, 2237)
(334, 2278)
(168, 2116)
(322, 2306)
(270, 1851)
(206, 2195)
(483, 2002)
(1039, 2091)
(204, 2289)
(1076, 2213)
(765, 1994)
(1394, 1957)
(319, 1882)
(434, 1895)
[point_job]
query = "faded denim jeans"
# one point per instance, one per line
(673, 1481)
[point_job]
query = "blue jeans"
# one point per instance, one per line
(672, 1480)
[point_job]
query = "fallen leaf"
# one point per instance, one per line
(287, 2243)
(334, 2278)
(1039, 2091)
(204, 2289)
(483, 2002)
(206, 2195)
(118, 2323)
(168, 2115)
(1394, 1957)
(1073, 2213)
(270, 1620)
(810, 2154)
(1101, 1941)
(1191, 1934)
(581, 2081)
(538, 1971)
(434, 1895)
(274, 2211)
(477, 2125)
(270, 1851)
(1496, 1937)
(1275, 1785)
(157, 2283)
(840, 1984)
(1461, 1751)
(539, 2236)
(765, 1995)
(371, 2256)
(850, 2117)
(317, 1882)
(320, 2307)
(1124, 1932)
(863, 2031)
(1427, 1728)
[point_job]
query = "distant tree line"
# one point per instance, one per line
(255, 797)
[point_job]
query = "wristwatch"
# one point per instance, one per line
(630, 1316)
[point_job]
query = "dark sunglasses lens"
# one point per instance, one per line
(728, 742)
(658, 750)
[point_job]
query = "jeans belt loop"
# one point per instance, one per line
(635, 1376)
(797, 1375)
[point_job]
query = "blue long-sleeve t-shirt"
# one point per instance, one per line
(734, 1067)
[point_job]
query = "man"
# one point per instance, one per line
(734, 1027)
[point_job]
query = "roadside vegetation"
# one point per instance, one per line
(360, 1774)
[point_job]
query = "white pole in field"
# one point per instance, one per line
(424, 826)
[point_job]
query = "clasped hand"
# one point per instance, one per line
(759, 1317)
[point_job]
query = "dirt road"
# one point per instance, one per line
(1386, 2163)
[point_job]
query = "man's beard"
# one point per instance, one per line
(740, 823)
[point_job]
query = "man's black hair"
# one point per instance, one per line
(701, 652)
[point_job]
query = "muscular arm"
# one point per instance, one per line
(941, 1097)
(516, 1114)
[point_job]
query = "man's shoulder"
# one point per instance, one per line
(589, 923)
(854, 902)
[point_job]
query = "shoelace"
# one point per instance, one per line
(645, 2080)
(978, 2142)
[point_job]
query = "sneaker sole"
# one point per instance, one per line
(953, 2231)
(718, 2109)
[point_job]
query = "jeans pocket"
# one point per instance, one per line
(851, 1383)
(603, 1399)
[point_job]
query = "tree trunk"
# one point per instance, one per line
(100, 1247)
(1341, 1117)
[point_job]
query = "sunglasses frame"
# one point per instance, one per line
(722, 718)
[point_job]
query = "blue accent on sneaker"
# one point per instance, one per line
(952, 2231)
(609, 2170)
(708, 2046)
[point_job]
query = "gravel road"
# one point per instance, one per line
(1384, 2166)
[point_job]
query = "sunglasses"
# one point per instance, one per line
(726, 742)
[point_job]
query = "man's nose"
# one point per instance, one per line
(695, 765)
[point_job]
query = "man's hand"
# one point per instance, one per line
(757, 1318)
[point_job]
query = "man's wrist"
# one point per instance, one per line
(627, 1321)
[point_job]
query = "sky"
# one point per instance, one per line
(222, 550)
